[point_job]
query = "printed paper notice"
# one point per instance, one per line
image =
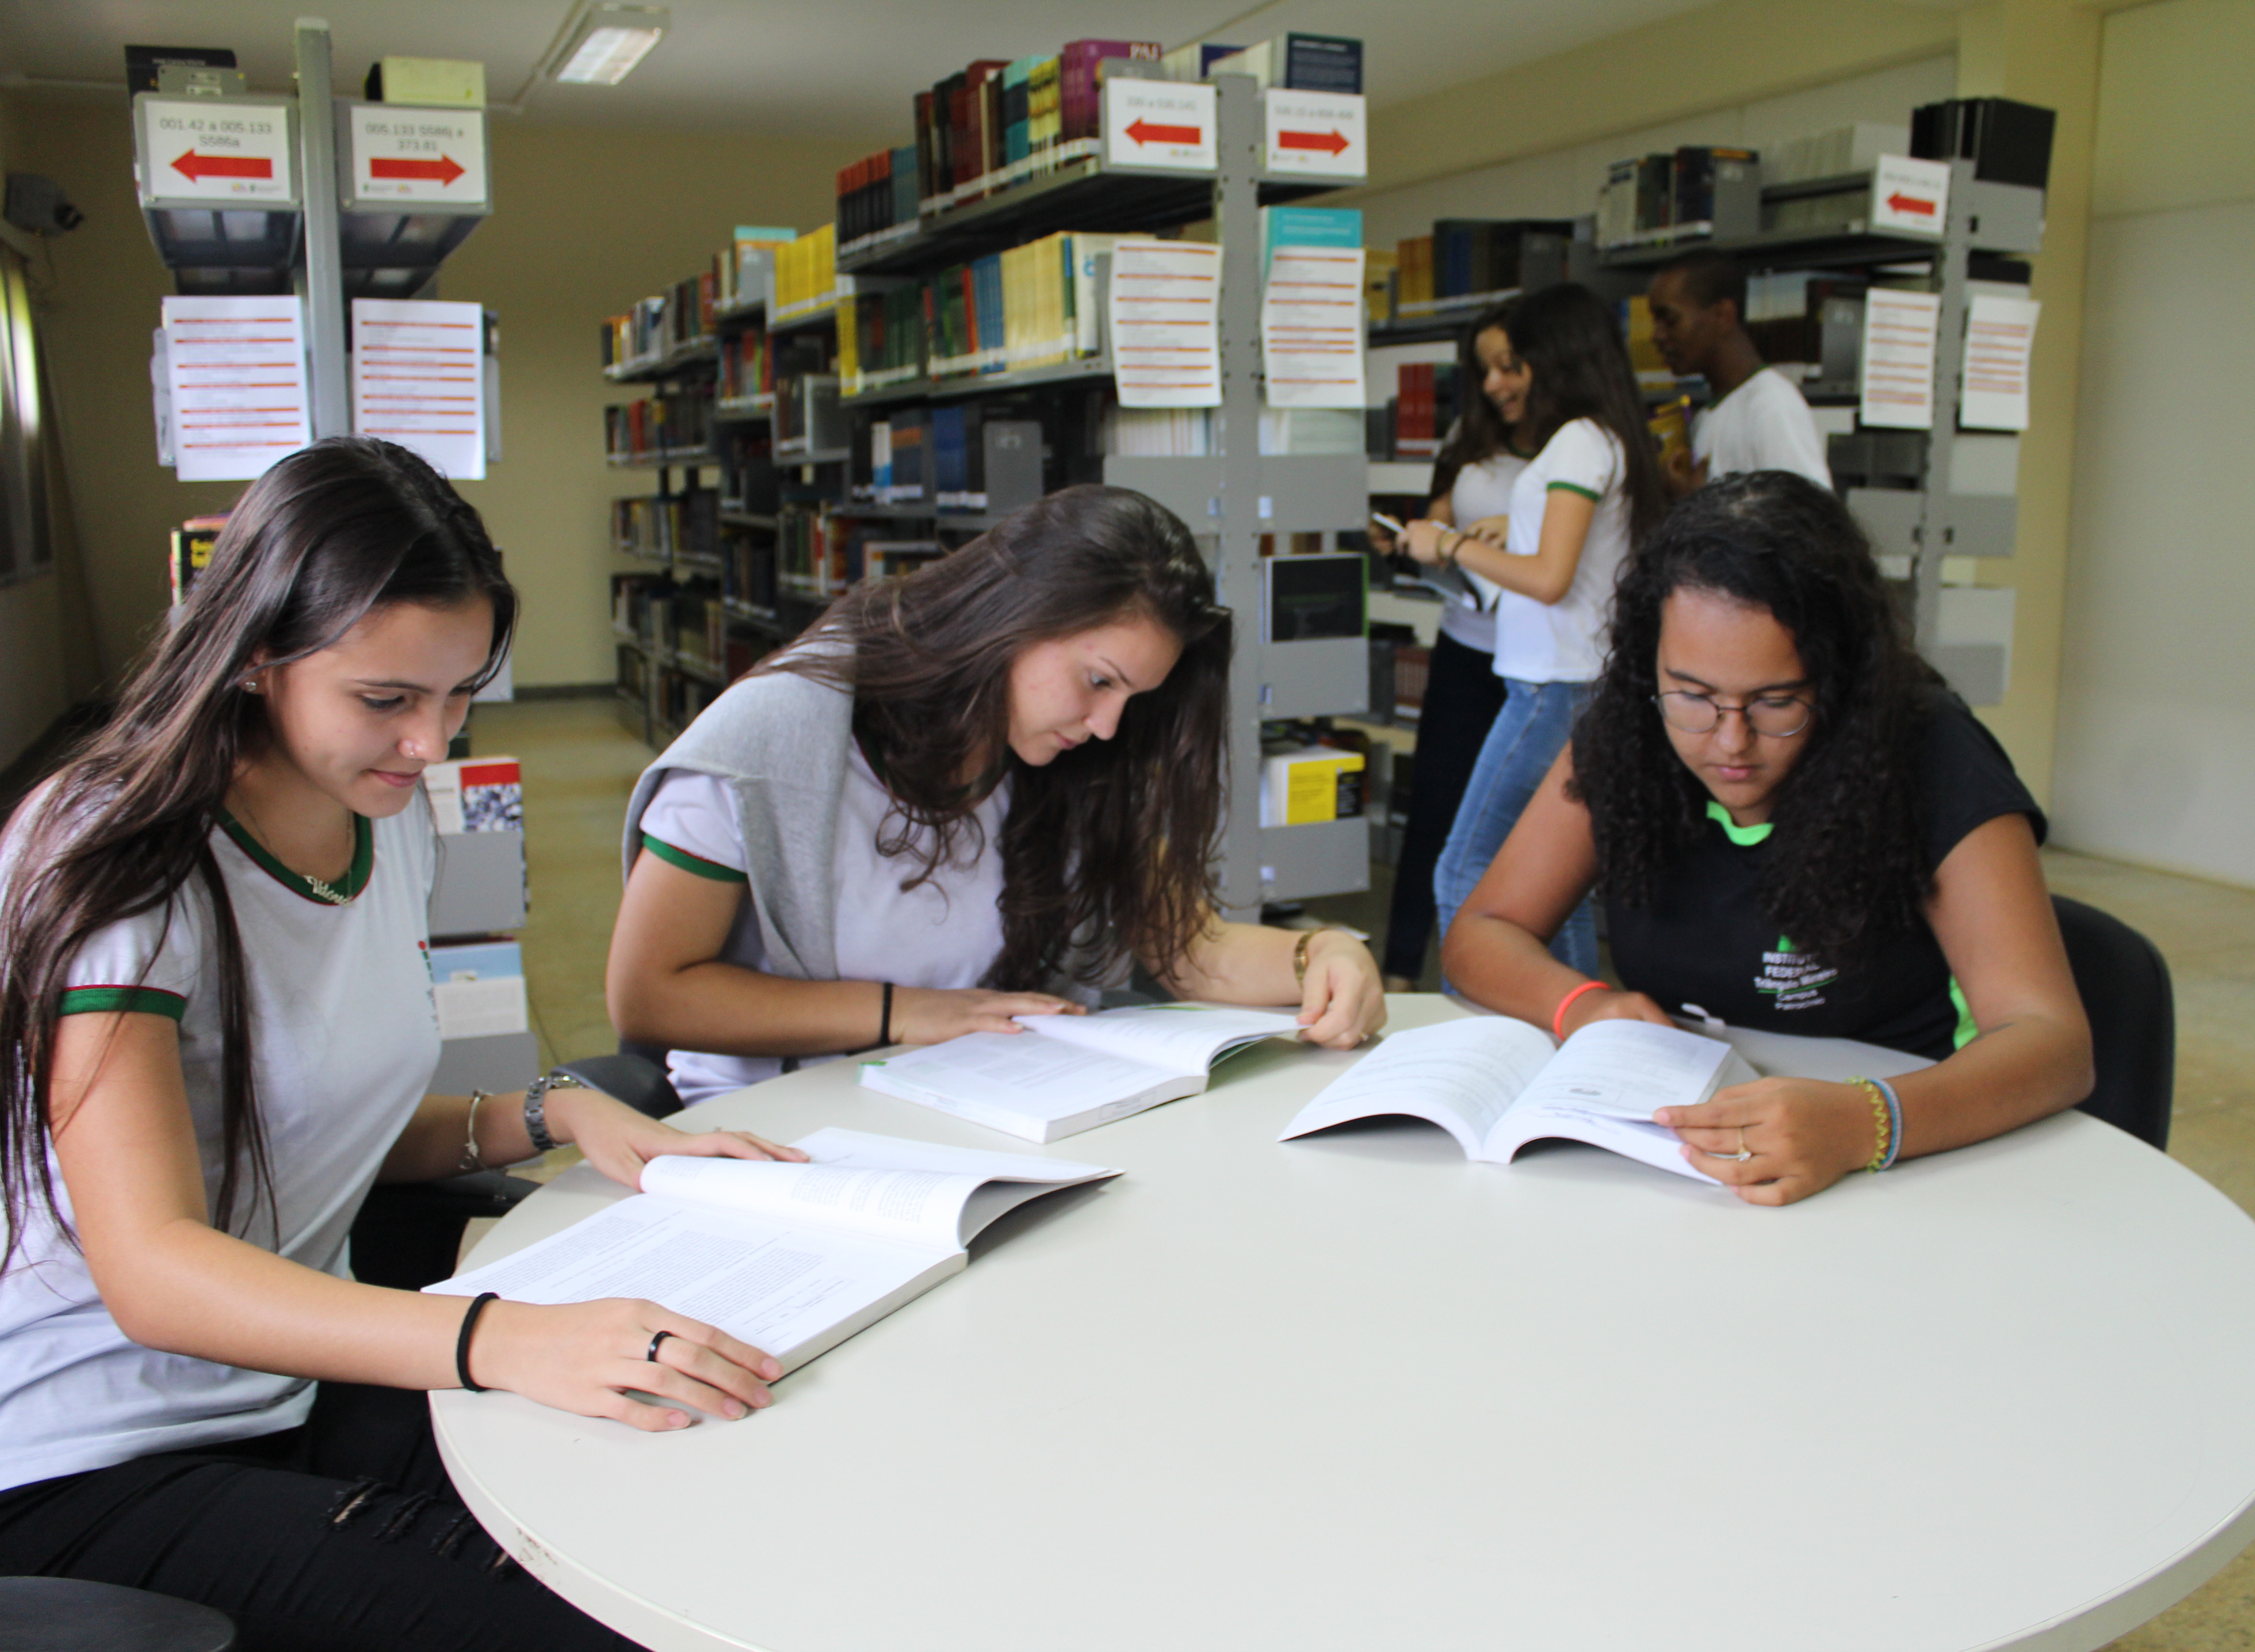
(1166, 323)
(236, 369)
(1311, 327)
(2001, 332)
(418, 379)
(1898, 330)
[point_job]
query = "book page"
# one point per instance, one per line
(1038, 1076)
(1628, 1068)
(773, 1287)
(1462, 1075)
(911, 1206)
(1181, 1039)
(1010, 1179)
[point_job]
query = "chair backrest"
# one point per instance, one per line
(2125, 985)
(637, 1076)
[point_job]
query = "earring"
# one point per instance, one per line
(250, 684)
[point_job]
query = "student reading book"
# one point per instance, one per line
(792, 1258)
(1081, 1071)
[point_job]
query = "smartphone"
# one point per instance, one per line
(1388, 523)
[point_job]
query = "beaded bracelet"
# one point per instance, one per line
(1883, 1114)
(1894, 1121)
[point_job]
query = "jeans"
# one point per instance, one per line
(1527, 736)
(1463, 695)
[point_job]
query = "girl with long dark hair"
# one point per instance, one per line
(1593, 489)
(1794, 826)
(215, 1001)
(975, 792)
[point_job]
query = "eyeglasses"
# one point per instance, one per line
(1775, 716)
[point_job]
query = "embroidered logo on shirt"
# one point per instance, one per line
(1792, 977)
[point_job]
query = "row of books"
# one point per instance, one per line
(821, 552)
(680, 623)
(1031, 306)
(1420, 413)
(967, 456)
(806, 272)
(655, 425)
(663, 525)
(1693, 192)
(688, 311)
(747, 366)
(1467, 259)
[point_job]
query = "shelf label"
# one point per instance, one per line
(418, 154)
(1159, 124)
(1316, 134)
(1910, 195)
(201, 150)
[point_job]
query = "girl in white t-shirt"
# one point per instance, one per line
(1593, 489)
(976, 793)
(215, 997)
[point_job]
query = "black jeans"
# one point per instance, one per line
(342, 1536)
(1463, 695)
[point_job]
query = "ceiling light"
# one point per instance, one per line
(608, 42)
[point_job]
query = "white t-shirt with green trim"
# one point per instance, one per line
(946, 932)
(1564, 642)
(345, 1038)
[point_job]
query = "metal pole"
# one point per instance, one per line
(1955, 269)
(1237, 223)
(325, 285)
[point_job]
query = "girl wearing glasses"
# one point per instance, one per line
(1794, 826)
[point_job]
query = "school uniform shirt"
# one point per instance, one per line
(1703, 940)
(1763, 424)
(946, 932)
(1564, 642)
(345, 1038)
(1482, 489)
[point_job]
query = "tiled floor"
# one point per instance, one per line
(579, 766)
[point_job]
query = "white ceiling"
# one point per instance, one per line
(827, 68)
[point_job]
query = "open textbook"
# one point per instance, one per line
(1496, 1084)
(790, 1258)
(1076, 1071)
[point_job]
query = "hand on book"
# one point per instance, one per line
(1802, 1134)
(619, 1140)
(585, 1358)
(930, 1014)
(1421, 540)
(1343, 1001)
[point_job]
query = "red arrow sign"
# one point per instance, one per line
(196, 167)
(1144, 132)
(1901, 202)
(443, 169)
(1332, 141)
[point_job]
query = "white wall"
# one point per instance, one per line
(1564, 183)
(2157, 712)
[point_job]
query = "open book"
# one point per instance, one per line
(790, 1258)
(1074, 1072)
(1496, 1084)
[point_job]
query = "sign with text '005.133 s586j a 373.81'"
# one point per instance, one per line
(422, 157)
(205, 149)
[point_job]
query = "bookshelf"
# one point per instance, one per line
(1233, 497)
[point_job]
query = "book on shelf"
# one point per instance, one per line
(1195, 62)
(806, 273)
(747, 366)
(792, 1258)
(669, 423)
(191, 553)
(1303, 62)
(1069, 1073)
(741, 269)
(1699, 191)
(1496, 1084)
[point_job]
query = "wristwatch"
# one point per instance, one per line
(536, 1108)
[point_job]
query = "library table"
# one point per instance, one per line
(1352, 1392)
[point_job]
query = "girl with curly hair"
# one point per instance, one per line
(1794, 826)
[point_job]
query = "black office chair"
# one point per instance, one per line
(2124, 984)
(63, 1614)
(408, 1234)
(635, 1075)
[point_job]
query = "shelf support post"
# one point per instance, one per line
(325, 283)
(1953, 269)
(1237, 566)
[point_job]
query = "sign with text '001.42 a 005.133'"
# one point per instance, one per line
(1909, 194)
(1315, 134)
(1159, 124)
(205, 150)
(417, 156)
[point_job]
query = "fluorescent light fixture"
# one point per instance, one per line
(609, 41)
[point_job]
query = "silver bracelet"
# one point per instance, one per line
(536, 1108)
(471, 1160)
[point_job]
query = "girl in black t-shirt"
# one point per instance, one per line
(1794, 826)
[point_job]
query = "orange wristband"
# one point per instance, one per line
(1558, 1020)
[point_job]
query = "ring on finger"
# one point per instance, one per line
(652, 1355)
(1739, 1157)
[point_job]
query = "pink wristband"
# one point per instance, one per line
(1558, 1020)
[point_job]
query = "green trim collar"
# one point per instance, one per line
(1744, 837)
(311, 888)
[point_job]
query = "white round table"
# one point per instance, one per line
(1355, 1393)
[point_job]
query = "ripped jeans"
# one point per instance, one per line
(340, 1535)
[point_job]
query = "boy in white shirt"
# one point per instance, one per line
(1758, 420)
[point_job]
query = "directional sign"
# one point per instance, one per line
(1159, 124)
(1317, 134)
(209, 149)
(1910, 195)
(420, 155)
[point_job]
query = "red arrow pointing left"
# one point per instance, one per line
(1334, 141)
(196, 166)
(1910, 203)
(443, 169)
(1144, 132)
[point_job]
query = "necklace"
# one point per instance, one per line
(319, 888)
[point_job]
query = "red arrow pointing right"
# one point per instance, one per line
(1901, 202)
(197, 167)
(1144, 132)
(444, 170)
(1334, 141)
